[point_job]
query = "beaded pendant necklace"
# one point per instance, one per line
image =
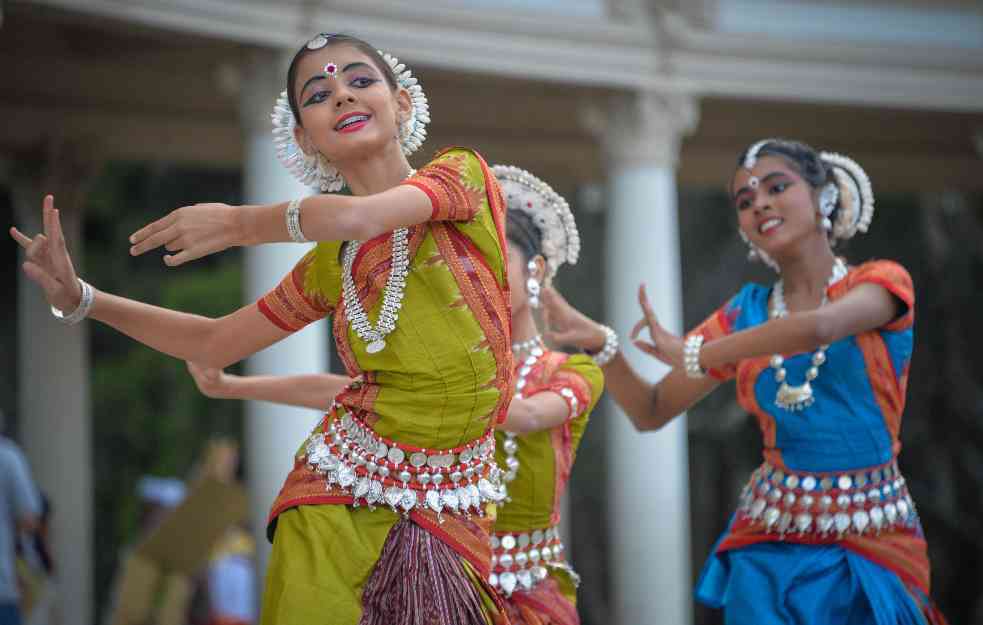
(800, 396)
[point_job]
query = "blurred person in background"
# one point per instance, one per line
(20, 511)
(36, 571)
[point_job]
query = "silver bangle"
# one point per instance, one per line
(293, 222)
(610, 348)
(83, 309)
(691, 356)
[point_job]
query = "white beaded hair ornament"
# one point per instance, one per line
(856, 196)
(314, 170)
(549, 211)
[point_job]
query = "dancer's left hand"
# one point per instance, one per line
(664, 345)
(192, 232)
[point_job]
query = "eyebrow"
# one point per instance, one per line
(321, 76)
(768, 177)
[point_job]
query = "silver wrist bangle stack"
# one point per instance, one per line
(691, 356)
(610, 348)
(293, 222)
(83, 309)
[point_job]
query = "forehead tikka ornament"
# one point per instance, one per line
(549, 211)
(317, 42)
(315, 170)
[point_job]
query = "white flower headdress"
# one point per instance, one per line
(549, 211)
(314, 170)
(856, 196)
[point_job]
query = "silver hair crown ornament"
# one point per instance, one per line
(314, 170)
(549, 210)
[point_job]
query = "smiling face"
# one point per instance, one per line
(348, 109)
(776, 207)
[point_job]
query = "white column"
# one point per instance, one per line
(649, 506)
(273, 433)
(54, 411)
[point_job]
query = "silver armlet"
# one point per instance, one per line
(293, 222)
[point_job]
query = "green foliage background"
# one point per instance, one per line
(148, 416)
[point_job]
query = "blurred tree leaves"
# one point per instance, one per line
(148, 416)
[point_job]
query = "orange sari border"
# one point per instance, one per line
(902, 551)
(487, 298)
(543, 605)
(287, 306)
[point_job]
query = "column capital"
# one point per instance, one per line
(643, 127)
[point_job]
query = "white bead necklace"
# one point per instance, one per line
(527, 346)
(392, 297)
(511, 445)
(799, 397)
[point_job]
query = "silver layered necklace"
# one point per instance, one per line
(799, 397)
(392, 297)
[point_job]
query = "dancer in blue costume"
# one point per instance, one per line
(826, 531)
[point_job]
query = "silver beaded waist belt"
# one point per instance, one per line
(520, 560)
(857, 502)
(376, 470)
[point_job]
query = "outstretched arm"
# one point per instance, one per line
(649, 405)
(202, 229)
(216, 342)
(865, 307)
(306, 391)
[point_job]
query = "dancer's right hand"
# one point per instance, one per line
(565, 325)
(47, 261)
(210, 381)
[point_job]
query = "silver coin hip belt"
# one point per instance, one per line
(378, 471)
(868, 501)
(520, 559)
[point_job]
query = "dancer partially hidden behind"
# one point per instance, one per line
(387, 514)
(826, 531)
(537, 444)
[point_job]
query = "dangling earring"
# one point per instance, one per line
(754, 254)
(532, 285)
(827, 204)
(324, 174)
